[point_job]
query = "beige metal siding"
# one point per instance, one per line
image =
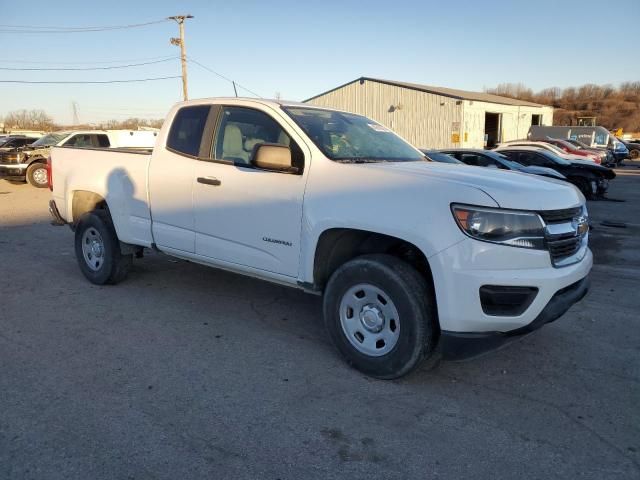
(424, 119)
(515, 123)
(428, 120)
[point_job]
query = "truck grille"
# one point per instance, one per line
(563, 248)
(9, 158)
(560, 216)
(566, 234)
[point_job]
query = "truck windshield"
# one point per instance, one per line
(48, 140)
(350, 138)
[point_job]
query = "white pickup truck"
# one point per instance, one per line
(28, 163)
(415, 259)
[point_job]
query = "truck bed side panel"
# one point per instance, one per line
(118, 176)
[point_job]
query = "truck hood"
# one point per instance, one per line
(509, 189)
(607, 173)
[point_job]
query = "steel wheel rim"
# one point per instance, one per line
(369, 320)
(40, 176)
(93, 249)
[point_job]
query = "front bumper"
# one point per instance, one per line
(461, 270)
(461, 346)
(13, 171)
(619, 156)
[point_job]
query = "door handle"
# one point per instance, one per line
(209, 181)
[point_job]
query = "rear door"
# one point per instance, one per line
(245, 215)
(171, 177)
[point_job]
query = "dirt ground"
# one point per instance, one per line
(188, 372)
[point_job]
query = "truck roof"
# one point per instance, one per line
(263, 101)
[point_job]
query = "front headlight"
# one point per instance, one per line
(507, 227)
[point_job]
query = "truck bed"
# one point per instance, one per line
(119, 175)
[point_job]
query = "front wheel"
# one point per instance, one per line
(98, 250)
(37, 175)
(584, 186)
(380, 313)
(634, 154)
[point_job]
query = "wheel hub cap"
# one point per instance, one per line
(372, 318)
(93, 249)
(40, 176)
(96, 249)
(369, 319)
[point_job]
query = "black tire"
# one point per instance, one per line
(634, 154)
(114, 266)
(413, 299)
(35, 173)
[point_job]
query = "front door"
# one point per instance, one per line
(245, 215)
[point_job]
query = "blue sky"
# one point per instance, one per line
(302, 48)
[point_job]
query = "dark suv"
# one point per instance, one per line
(591, 179)
(16, 141)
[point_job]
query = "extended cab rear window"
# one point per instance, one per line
(187, 128)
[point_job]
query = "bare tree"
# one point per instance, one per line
(28, 119)
(613, 107)
(131, 124)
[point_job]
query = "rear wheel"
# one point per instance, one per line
(634, 154)
(37, 175)
(380, 314)
(98, 250)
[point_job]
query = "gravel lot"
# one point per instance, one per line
(187, 372)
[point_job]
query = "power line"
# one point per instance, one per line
(45, 62)
(85, 68)
(223, 77)
(5, 28)
(89, 81)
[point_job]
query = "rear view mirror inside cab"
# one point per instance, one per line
(271, 156)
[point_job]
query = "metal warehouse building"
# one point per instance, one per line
(436, 117)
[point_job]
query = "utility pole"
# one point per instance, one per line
(183, 50)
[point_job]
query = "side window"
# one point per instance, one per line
(186, 131)
(601, 138)
(470, 159)
(100, 141)
(71, 142)
(523, 158)
(533, 159)
(477, 160)
(241, 129)
(80, 140)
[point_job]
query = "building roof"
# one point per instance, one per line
(445, 92)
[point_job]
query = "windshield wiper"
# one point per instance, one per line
(359, 160)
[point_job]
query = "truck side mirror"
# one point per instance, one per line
(272, 156)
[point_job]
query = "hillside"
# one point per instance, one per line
(613, 107)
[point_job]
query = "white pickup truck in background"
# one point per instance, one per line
(415, 259)
(28, 163)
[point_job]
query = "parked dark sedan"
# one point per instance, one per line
(591, 179)
(437, 156)
(492, 159)
(634, 149)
